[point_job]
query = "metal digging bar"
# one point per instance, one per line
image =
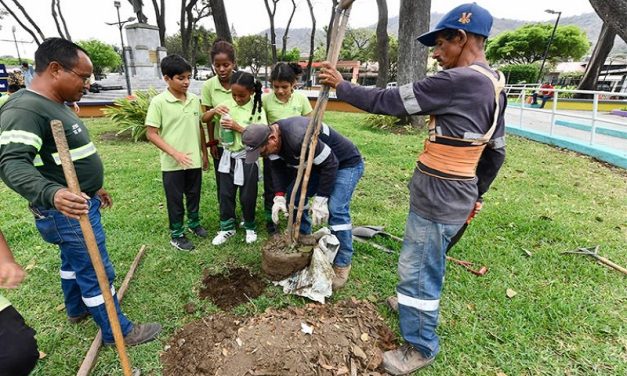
(342, 12)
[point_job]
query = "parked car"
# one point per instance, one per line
(391, 85)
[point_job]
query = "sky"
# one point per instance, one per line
(86, 18)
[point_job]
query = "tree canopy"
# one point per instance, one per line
(527, 44)
(102, 55)
(253, 51)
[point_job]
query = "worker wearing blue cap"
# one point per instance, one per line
(462, 155)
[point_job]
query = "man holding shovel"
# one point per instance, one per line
(30, 165)
(337, 168)
(462, 155)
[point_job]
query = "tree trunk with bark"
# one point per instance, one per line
(383, 44)
(160, 17)
(35, 31)
(597, 60)
(335, 2)
(613, 13)
(413, 21)
(287, 29)
(271, 14)
(221, 21)
(312, 41)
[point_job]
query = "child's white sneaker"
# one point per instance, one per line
(251, 236)
(222, 237)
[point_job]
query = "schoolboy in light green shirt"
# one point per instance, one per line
(234, 174)
(173, 125)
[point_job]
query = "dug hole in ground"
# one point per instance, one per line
(342, 338)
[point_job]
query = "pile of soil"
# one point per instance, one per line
(348, 339)
(279, 259)
(233, 288)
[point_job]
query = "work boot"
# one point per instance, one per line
(80, 318)
(341, 276)
(141, 333)
(392, 303)
(271, 228)
(306, 239)
(406, 359)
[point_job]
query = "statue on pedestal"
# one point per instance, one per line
(137, 8)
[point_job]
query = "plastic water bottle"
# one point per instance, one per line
(226, 135)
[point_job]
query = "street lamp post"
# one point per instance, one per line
(19, 58)
(120, 24)
(548, 46)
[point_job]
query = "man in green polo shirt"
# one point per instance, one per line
(18, 349)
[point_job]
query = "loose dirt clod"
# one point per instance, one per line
(279, 259)
(233, 288)
(273, 343)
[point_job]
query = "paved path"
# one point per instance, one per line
(608, 135)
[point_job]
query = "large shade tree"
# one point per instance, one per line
(383, 43)
(527, 44)
(614, 16)
(414, 17)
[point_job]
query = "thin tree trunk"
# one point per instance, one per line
(17, 4)
(414, 19)
(312, 41)
(221, 21)
(335, 2)
(271, 14)
(287, 29)
(67, 32)
(160, 17)
(383, 44)
(53, 11)
(19, 21)
(597, 60)
(613, 13)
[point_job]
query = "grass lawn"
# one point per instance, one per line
(568, 318)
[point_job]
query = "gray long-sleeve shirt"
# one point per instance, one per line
(463, 101)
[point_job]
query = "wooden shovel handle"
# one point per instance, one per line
(58, 132)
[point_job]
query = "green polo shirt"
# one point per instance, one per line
(212, 94)
(4, 302)
(242, 116)
(179, 126)
(297, 105)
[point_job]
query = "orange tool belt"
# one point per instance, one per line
(457, 158)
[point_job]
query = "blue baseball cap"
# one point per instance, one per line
(468, 17)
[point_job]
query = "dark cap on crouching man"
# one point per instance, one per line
(337, 167)
(462, 156)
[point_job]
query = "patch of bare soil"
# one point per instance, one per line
(233, 288)
(348, 339)
(114, 136)
(280, 260)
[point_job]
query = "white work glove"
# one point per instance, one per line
(320, 210)
(279, 205)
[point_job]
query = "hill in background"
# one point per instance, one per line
(589, 22)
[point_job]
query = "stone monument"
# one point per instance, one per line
(143, 51)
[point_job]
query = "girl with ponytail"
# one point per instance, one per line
(243, 109)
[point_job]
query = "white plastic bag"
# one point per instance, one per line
(314, 282)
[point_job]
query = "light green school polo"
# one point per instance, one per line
(179, 126)
(297, 105)
(3, 98)
(242, 116)
(212, 94)
(4, 302)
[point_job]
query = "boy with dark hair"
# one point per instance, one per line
(174, 126)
